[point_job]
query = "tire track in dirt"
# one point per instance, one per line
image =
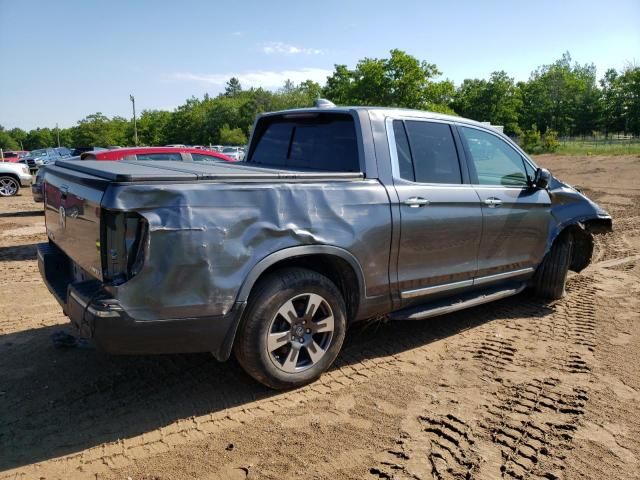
(525, 427)
(445, 446)
(533, 423)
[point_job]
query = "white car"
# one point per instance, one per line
(12, 177)
(236, 153)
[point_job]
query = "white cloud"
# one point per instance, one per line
(281, 48)
(264, 79)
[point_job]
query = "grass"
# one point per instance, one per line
(602, 147)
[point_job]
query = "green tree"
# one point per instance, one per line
(18, 135)
(630, 89)
(611, 100)
(497, 100)
(152, 126)
(561, 96)
(398, 81)
(232, 87)
(232, 136)
(39, 138)
(96, 130)
(531, 140)
(7, 141)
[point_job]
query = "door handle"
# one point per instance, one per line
(415, 202)
(493, 202)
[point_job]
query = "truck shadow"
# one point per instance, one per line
(27, 251)
(57, 402)
(26, 213)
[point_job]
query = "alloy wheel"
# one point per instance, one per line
(300, 333)
(8, 187)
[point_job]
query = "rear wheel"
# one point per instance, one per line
(292, 330)
(9, 186)
(551, 277)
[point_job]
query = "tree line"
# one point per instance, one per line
(561, 98)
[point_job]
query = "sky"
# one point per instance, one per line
(65, 59)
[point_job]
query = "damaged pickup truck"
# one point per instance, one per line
(336, 215)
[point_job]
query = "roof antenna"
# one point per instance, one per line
(323, 103)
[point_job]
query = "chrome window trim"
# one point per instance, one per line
(419, 292)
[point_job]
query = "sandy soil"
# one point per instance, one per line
(515, 389)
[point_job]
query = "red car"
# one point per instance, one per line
(14, 156)
(156, 153)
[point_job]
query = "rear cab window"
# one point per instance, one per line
(321, 142)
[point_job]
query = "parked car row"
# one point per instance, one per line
(43, 156)
(12, 179)
(180, 154)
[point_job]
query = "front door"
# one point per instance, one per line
(515, 215)
(440, 216)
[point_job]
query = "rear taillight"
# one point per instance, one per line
(123, 245)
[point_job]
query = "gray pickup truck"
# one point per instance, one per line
(336, 215)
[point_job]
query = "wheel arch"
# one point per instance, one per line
(336, 263)
(582, 231)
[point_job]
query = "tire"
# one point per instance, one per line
(551, 277)
(278, 342)
(9, 186)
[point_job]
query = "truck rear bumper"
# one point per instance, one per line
(97, 316)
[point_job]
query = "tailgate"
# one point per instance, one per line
(72, 214)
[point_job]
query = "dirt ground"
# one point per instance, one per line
(515, 389)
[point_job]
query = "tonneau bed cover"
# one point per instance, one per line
(142, 171)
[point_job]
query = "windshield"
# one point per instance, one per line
(37, 153)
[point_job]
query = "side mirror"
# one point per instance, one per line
(542, 178)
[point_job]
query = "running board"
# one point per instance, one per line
(443, 307)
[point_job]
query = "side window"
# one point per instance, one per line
(435, 158)
(494, 160)
(405, 165)
(199, 157)
(160, 156)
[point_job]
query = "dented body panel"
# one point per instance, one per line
(204, 239)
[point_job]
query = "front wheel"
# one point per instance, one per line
(292, 330)
(9, 186)
(551, 277)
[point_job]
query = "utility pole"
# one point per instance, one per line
(135, 123)
(58, 134)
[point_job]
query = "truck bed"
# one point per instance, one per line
(177, 239)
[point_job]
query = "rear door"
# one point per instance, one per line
(440, 215)
(515, 215)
